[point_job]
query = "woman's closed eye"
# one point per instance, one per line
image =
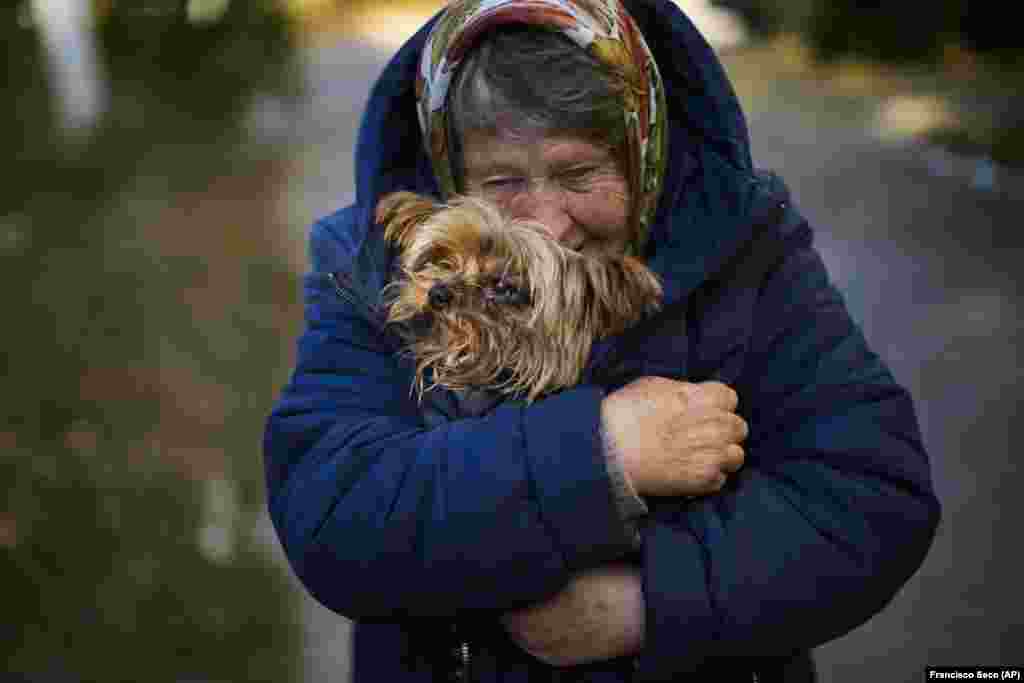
(504, 183)
(577, 178)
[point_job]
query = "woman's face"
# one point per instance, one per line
(572, 186)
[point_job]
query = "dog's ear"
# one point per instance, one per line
(401, 213)
(642, 285)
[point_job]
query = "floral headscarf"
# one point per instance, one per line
(601, 27)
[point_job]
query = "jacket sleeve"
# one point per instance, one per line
(830, 516)
(384, 518)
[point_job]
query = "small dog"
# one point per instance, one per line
(488, 303)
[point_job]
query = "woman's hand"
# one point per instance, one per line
(599, 615)
(674, 438)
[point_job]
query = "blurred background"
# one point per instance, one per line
(163, 160)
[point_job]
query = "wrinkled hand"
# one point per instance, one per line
(675, 438)
(599, 615)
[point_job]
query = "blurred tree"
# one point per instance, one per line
(26, 128)
(120, 563)
(171, 64)
(893, 32)
(766, 18)
(911, 31)
(988, 29)
(889, 32)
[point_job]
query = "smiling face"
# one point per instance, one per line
(573, 187)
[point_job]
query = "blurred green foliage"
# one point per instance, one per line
(141, 351)
(767, 18)
(886, 31)
(968, 54)
(890, 32)
(200, 74)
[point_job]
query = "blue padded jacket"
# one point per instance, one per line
(414, 528)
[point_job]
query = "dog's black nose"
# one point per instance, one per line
(439, 295)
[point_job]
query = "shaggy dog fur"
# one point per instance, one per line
(485, 302)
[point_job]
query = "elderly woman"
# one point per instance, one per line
(607, 532)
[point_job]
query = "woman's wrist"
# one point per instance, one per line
(631, 507)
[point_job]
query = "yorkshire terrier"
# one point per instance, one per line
(483, 302)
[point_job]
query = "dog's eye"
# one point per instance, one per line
(508, 293)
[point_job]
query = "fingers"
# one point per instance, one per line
(714, 429)
(714, 476)
(711, 478)
(676, 437)
(711, 395)
(722, 461)
(733, 458)
(732, 427)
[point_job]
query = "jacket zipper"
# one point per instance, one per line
(343, 292)
(343, 288)
(461, 656)
(464, 660)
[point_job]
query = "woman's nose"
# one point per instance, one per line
(548, 207)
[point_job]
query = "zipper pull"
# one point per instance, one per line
(460, 671)
(346, 292)
(464, 662)
(333, 277)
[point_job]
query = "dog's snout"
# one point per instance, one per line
(440, 295)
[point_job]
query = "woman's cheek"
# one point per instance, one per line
(603, 212)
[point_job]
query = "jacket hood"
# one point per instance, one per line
(711, 197)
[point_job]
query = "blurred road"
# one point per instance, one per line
(929, 265)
